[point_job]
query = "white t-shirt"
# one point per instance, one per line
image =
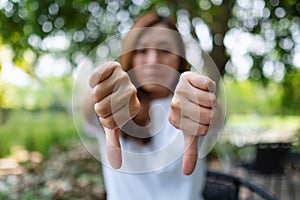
(153, 171)
(164, 184)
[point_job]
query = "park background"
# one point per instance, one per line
(255, 44)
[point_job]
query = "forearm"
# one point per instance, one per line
(91, 123)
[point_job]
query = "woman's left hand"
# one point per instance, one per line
(192, 111)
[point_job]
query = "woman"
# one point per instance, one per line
(152, 67)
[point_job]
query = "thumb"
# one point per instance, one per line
(190, 156)
(113, 147)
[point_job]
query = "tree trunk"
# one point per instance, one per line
(219, 26)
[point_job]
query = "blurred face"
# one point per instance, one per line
(155, 60)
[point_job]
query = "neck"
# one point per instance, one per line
(159, 95)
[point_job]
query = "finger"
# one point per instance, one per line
(194, 95)
(203, 116)
(113, 147)
(190, 156)
(196, 88)
(193, 128)
(202, 97)
(119, 117)
(103, 72)
(189, 126)
(195, 112)
(106, 107)
(200, 81)
(118, 80)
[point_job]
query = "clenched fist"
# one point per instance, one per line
(115, 103)
(192, 112)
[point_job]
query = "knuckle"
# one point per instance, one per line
(124, 75)
(122, 78)
(180, 91)
(117, 65)
(207, 101)
(135, 107)
(213, 98)
(175, 106)
(108, 122)
(101, 109)
(208, 115)
(202, 131)
(97, 92)
(183, 83)
(113, 65)
(185, 75)
(132, 91)
(174, 121)
(129, 93)
(93, 79)
(178, 97)
(211, 85)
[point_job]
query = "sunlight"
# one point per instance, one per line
(10, 166)
(14, 75)
(6, 54)
(50, 66)
(60, 41)
(47, 66)
(203, 34)
(239, 44)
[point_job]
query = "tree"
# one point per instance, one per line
(291, 93)
(26, 24)
(272, 26)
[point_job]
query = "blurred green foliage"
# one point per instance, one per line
(26, 24)
(47, 94)
(35, 131)
(28, 28)
(249, 97)
(290, 97)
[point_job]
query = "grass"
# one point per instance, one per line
(291, 123)
(35, 131)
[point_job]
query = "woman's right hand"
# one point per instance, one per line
(115, 103)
